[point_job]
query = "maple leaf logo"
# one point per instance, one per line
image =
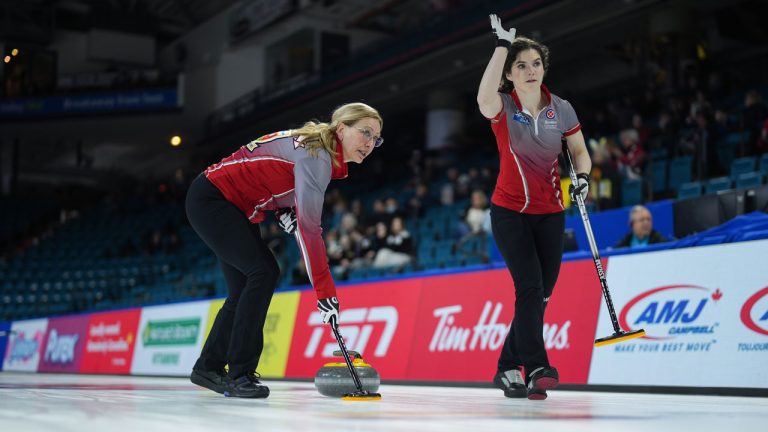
(717, 295)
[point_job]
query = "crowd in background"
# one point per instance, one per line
(692, 115)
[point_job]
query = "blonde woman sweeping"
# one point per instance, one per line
(285, 172)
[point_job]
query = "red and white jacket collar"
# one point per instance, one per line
(342, 170)
(519, 105)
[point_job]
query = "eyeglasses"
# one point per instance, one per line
(368, 135)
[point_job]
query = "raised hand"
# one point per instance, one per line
(501, 34)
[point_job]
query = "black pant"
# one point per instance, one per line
(251, 273)
(532, 247)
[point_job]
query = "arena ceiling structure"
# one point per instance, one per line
(37, 20)
(587, 38)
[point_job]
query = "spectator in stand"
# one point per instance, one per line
(462, 190)
(419, 202)
(356, 208)
(753, 116)
(349, 252)
(641, 232)
(375, 242)
(665, 136)
(697, 142)
(334, 250)
(720, 126)
(338, 212)
(762, 143)
(605, 177)
(392, 207)
(475, 182)
(347, 224)
(700, 105)
(643, 132)
(379, 213)
(399, 246)
(474, 215)
(448, 191)
(630, 154)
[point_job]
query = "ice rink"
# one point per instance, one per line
(40, 402)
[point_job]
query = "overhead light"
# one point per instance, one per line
(7, 59)
(175, 140)
(15, 52)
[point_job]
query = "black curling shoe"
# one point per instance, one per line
(541, 380)
(245, 386)
(212, 380)
(511, 382)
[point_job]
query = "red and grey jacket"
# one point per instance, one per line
(276, 171)
(529, 144)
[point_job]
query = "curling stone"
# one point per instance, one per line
(334, 379)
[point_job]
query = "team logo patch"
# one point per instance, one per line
(253, 145)
(520, 118)
(550, 113)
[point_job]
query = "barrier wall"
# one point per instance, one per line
(705, 312)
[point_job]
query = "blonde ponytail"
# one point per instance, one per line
(319, 135)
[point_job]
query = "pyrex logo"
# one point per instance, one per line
(61, 347)
(754, 313)
(669, 311)
(356, 327)
(488, 334)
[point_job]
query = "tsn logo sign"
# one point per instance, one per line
(356, 326)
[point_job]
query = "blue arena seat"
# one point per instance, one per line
(749, 180)
(741, 166)
(659, 175)
(631, 192)
(680, 171)
(689, 190)
(764, 164)
(718, 184)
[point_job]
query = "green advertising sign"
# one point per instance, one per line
(171, 332)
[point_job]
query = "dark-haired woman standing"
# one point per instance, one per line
(527, 214)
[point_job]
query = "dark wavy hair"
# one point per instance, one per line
(522, 44)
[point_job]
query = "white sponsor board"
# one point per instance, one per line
(705, 313)
(170, 338)
(24, 345)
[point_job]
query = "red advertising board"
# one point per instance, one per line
(63, 345)
(574, 308)
(377, 319)
(109, 341)
(464, 319)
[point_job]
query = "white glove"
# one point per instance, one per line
(329, 310)
(581, 187)
(501, 34)
(286, 218)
